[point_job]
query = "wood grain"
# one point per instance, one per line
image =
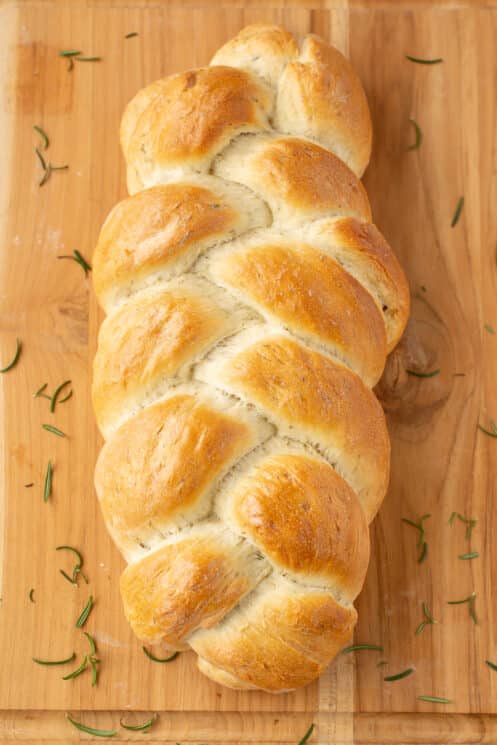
(441, 462)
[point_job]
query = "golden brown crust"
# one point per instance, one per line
(188, 118)
(280, 639)
(189, 584)
(155, 228)
(311, 295)
(260, 49)
(305, 518)
(147, 341)
(321, 97)
(304, 391)
(318, 93)
(160, 466)
(364, 251)
(299, 180)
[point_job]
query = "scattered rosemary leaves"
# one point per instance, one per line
(78, 670)
(307, 735)
(470, 555)
(94, 670)
(159, 659)
(57, 392)
(47, 491)
(470, 523)
(77, 567)
(54, 430)
(424, 61)
(28, 486)
(79, 259)
(91, 642)
(489, 328)
(434, 699)
(492, 432)
(358, 647)
(424, 553)
(43, 135)
(54, 662)
(145, 727)
(54, 398)
(31, 595)
(83, 617)
(15, 358)
(91, 730)
(39, 393)
(471, 600)
(75, 54)
(457, 213)
(422, 544)
(399, 676)
(419, 135)
(418, 374)
(47, 168)
(428, 620)
(131, 34)
(491, 665)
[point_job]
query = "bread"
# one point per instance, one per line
(251, 305)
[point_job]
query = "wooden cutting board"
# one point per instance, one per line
(441, 462)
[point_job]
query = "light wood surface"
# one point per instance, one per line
(441, 463)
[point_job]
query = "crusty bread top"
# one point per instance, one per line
(251, 305)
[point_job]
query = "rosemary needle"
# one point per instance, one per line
(424, 552)
(78, 670)
(307, 735)
(85, 613)
(428, 619)
(159, 659)
(54, 430)
(47, 492)
(137, 727)
(399, 676)
(91, 730)
(471, 600)
(31, 592)
(470, 522)
(43, 135)
(94, 671)
(91, 641)
(15, 358)
(357, 647)
(40, 390)
(77, 567)
(491, 665)
(489, 328)
(470, 555)
(417, 374)
(423, 61)
(418, 140)
(79, 259)
(492, 432)
(54, 662)
(457, 213)
(53, 400)
(434, 699)
(131, 34)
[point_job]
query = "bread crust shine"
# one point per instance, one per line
(250, 306)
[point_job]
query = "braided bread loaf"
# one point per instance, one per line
(251, 305)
